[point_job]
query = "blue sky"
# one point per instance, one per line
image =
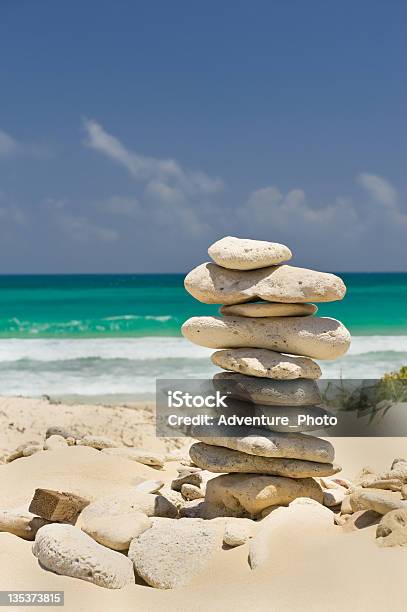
(134, 134)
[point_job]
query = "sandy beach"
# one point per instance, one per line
(330, 569)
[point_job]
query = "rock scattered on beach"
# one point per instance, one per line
(20, 522)
(116, 531)
(18, 452)
(56, 430)
(150, 486)
(377, 500)
(392, 529)
(32, 449)
(57, 506)
(55, 442)
(97, 442)
(238, 531)
(68, 551)
(124, 504)
(171, 553)
(146, 457)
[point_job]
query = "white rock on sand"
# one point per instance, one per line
(66, 550)
(116, 531)
(19, 451)
(97, 442)
(377, 500)
(392, 529)
(273, 444)
(172, 553)
(150, 486)
(55, 442)
(297, 392)
(317, 337)
(238, 531)
(137, 454)
(246, 254)
(219, 460)
(269, 309)
(20, 522)
(247, 495)
(213, 284)
(125, 503)
(266, 364)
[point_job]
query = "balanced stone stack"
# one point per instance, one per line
(268, 340)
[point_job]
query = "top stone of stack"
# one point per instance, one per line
(247, 270)
(244, 254)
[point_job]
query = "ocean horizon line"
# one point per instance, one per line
(86, 274)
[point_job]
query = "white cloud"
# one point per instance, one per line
(171, 196)
(146, 169)
(8, 145)
(339, 230)
(378, 188)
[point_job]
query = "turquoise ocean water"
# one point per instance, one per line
(114, 334)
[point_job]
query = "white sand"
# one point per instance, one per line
(339, 572)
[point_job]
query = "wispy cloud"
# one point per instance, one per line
(171, 197)
(378, 188)
(146, 169)
(8, 145)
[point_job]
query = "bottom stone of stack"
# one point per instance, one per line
(219, 459)
(250, 495)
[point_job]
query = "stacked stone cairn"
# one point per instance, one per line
(267, 339)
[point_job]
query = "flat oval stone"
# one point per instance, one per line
(219, 460)
(245, 254)
(316, 337)
(269, 309)
(256, 441)
(266, 364)
(298, 392)
(213, 284)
